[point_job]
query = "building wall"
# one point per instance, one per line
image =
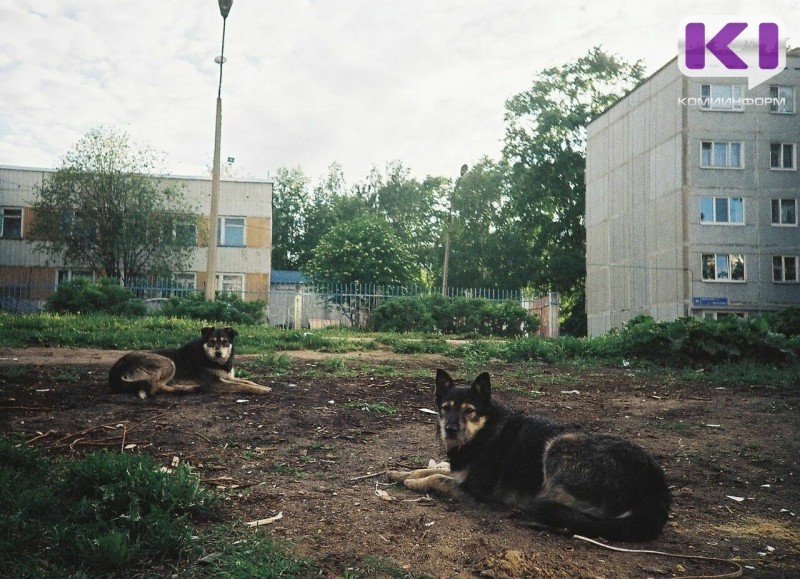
(644, 182)
(634, 223)
(21, 262)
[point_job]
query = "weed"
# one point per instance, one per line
(14, 372)
(100, 515)
(377, 407)
(69, 376)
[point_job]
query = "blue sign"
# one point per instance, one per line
(710, 301)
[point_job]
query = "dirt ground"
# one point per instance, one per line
(309, 450)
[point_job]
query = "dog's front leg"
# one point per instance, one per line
(428, 479)
(243, 385)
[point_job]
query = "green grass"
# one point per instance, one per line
(100, 515)
(377, 407)
(113, 515)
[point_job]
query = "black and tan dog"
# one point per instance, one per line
(206, 362)
(566, 479)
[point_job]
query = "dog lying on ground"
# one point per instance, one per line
(206, 362)
(567, 480)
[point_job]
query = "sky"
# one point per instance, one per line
(307, 82)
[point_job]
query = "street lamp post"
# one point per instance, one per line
(211, 268)
(464, 169)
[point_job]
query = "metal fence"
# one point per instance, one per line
(294, 306)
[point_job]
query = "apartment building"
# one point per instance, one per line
(692, 193)
(244, 239)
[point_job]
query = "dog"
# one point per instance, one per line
(567, 480)
(207, 362)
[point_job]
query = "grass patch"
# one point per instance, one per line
(102, 515)
(745, 373)
(377, 407)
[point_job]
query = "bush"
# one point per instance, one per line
(688, 341)
(82, 296)
(463, 316)
(226, 308)
(403, 314)
(786, 322)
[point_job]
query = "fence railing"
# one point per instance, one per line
(296, 306)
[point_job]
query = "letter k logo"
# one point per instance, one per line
(719, 45)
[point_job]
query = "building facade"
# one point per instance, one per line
(692, 194)
(28, 276)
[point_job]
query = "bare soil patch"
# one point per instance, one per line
(731, 455)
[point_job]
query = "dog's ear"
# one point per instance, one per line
(482, 386)
(206, 332)
(443, 383)
(230, 332)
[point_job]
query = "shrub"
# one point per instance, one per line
(786, 322)
(106, 296)
(226, 308)
(688, 341)
(403, 314)
(464, 316)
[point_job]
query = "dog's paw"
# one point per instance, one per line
(416, 484)
(398, 476)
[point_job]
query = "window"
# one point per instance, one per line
(723, 267)
(186, 234)
(231, 283)
(184, 284)
(721, 210)
(230, 231)
(783, 99)
(721, 155)
(781, 156)
(71, 274)
(784, 211)
(10, 223)
(721, 97)
(784, 269)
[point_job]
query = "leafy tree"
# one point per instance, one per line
(291, 203)
(477, 254)
(362, 250)
(103, 209)
(545, 147)
(413, 208)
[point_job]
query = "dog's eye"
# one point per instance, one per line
(469, 411)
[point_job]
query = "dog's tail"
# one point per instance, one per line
(641, 525)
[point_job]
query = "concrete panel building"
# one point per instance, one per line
(692, 193)
(244, 239)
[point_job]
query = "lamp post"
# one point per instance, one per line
(464, 169)
(211, 267)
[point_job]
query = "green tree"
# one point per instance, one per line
(413, 208)
(291, 205)
(105, 210)
(362, 250)
(545, 148)
(477, 255)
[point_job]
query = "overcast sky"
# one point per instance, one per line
(307, 82)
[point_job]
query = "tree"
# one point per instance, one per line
(411, 207)
(476, 251)
(545, 147)
(360, 251)
(103, 209)
(291, 203)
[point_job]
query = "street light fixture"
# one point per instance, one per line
(211, 267)
(464, 169)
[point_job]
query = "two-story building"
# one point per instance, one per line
(692, 192)
(28, 276)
